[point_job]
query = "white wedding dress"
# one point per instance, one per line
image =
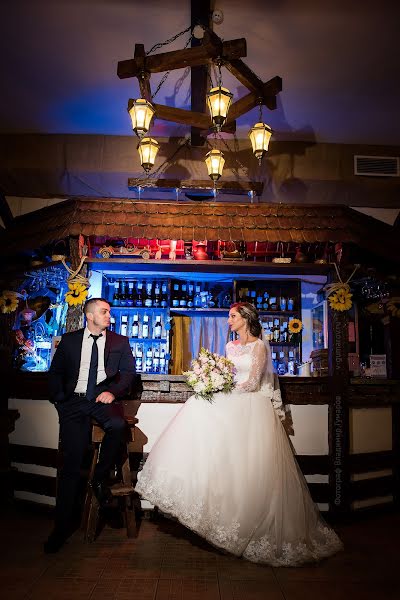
(226, 470)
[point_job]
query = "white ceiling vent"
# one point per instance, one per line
(376, 166)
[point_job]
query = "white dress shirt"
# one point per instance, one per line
(86, 354)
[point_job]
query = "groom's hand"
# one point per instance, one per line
(105, 397)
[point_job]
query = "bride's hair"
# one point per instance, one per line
(249, 313)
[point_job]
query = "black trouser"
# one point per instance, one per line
(75, 417)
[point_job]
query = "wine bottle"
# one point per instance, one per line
(157, 295)
(190, 298)
(124, 325)
(183, 298)
(149, 359)
(156, 359)
(164, 294)
(145, 328)
(175, 295)
(122, 295)
(116, 294)
(148, 302)
(112, 324)
(197, 297)
(139, 298)
(157, 328)
(135, 326)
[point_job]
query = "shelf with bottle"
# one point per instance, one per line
(193, 294)
(137, 292)
(151, 356)
(270, 296)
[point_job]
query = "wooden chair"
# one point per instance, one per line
(123, 491)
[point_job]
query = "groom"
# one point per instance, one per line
(91, 368)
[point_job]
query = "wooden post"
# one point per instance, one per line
(339, 476)
(75, 313)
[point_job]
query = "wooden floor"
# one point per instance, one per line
(166, 562)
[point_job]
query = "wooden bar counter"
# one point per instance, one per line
(370, 423)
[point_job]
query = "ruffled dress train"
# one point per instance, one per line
(226, 471)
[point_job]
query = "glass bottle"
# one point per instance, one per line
(282, 368)
(276, 330)
(197, 298)
(157, 295)
(272, 303)
(149, 359)
(290, 304)
(164, 294)
(139, 298)
(157, 331)
(259, 300)
(175, 295)
(116, 294)
(156, 359)
(266, 301)
(135, 326)
(145, 327)
(124, 325)
(162, 361)
(190, 297)
(148, 302)
(183, 299)
(112, 323)
(122, 295)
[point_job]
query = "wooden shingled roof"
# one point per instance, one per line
(195, 221)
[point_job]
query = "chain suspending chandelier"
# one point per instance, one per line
(223, 110)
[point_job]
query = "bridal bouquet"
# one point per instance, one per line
(210, 373)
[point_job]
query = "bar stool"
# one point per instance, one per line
(123, 491)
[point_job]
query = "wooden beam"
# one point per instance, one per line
(246, 103)
(200, 14)
(180, 59)
(232, 187)
(144, 76)
(180, 115)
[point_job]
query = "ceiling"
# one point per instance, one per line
(338, 61)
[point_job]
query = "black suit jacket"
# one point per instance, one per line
(119, 366)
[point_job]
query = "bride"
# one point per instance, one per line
(226, 470)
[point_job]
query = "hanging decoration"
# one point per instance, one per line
(393, 307)
(339, 294)
(9, 301)
(78, 285)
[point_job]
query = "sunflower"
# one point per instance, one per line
(295, 325)
(341, 298)
(76, 294)
(8, 301)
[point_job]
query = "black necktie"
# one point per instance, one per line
(94, 363)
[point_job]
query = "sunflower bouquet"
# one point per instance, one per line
(210, 373)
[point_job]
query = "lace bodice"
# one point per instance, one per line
(250, 362)
(253, 374)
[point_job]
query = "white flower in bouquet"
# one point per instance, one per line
(210, 373)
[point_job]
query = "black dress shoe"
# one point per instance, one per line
(55, 541)
(102, 492)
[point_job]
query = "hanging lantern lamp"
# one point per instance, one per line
(141, 113)
(215, 163)
(219, 100)
(260, 135)
(148, 148)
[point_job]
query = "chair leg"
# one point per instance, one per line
(130, 517)
(92, 520)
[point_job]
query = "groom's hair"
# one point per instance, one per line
(89, 304)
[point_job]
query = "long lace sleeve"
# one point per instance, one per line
(258, 362)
